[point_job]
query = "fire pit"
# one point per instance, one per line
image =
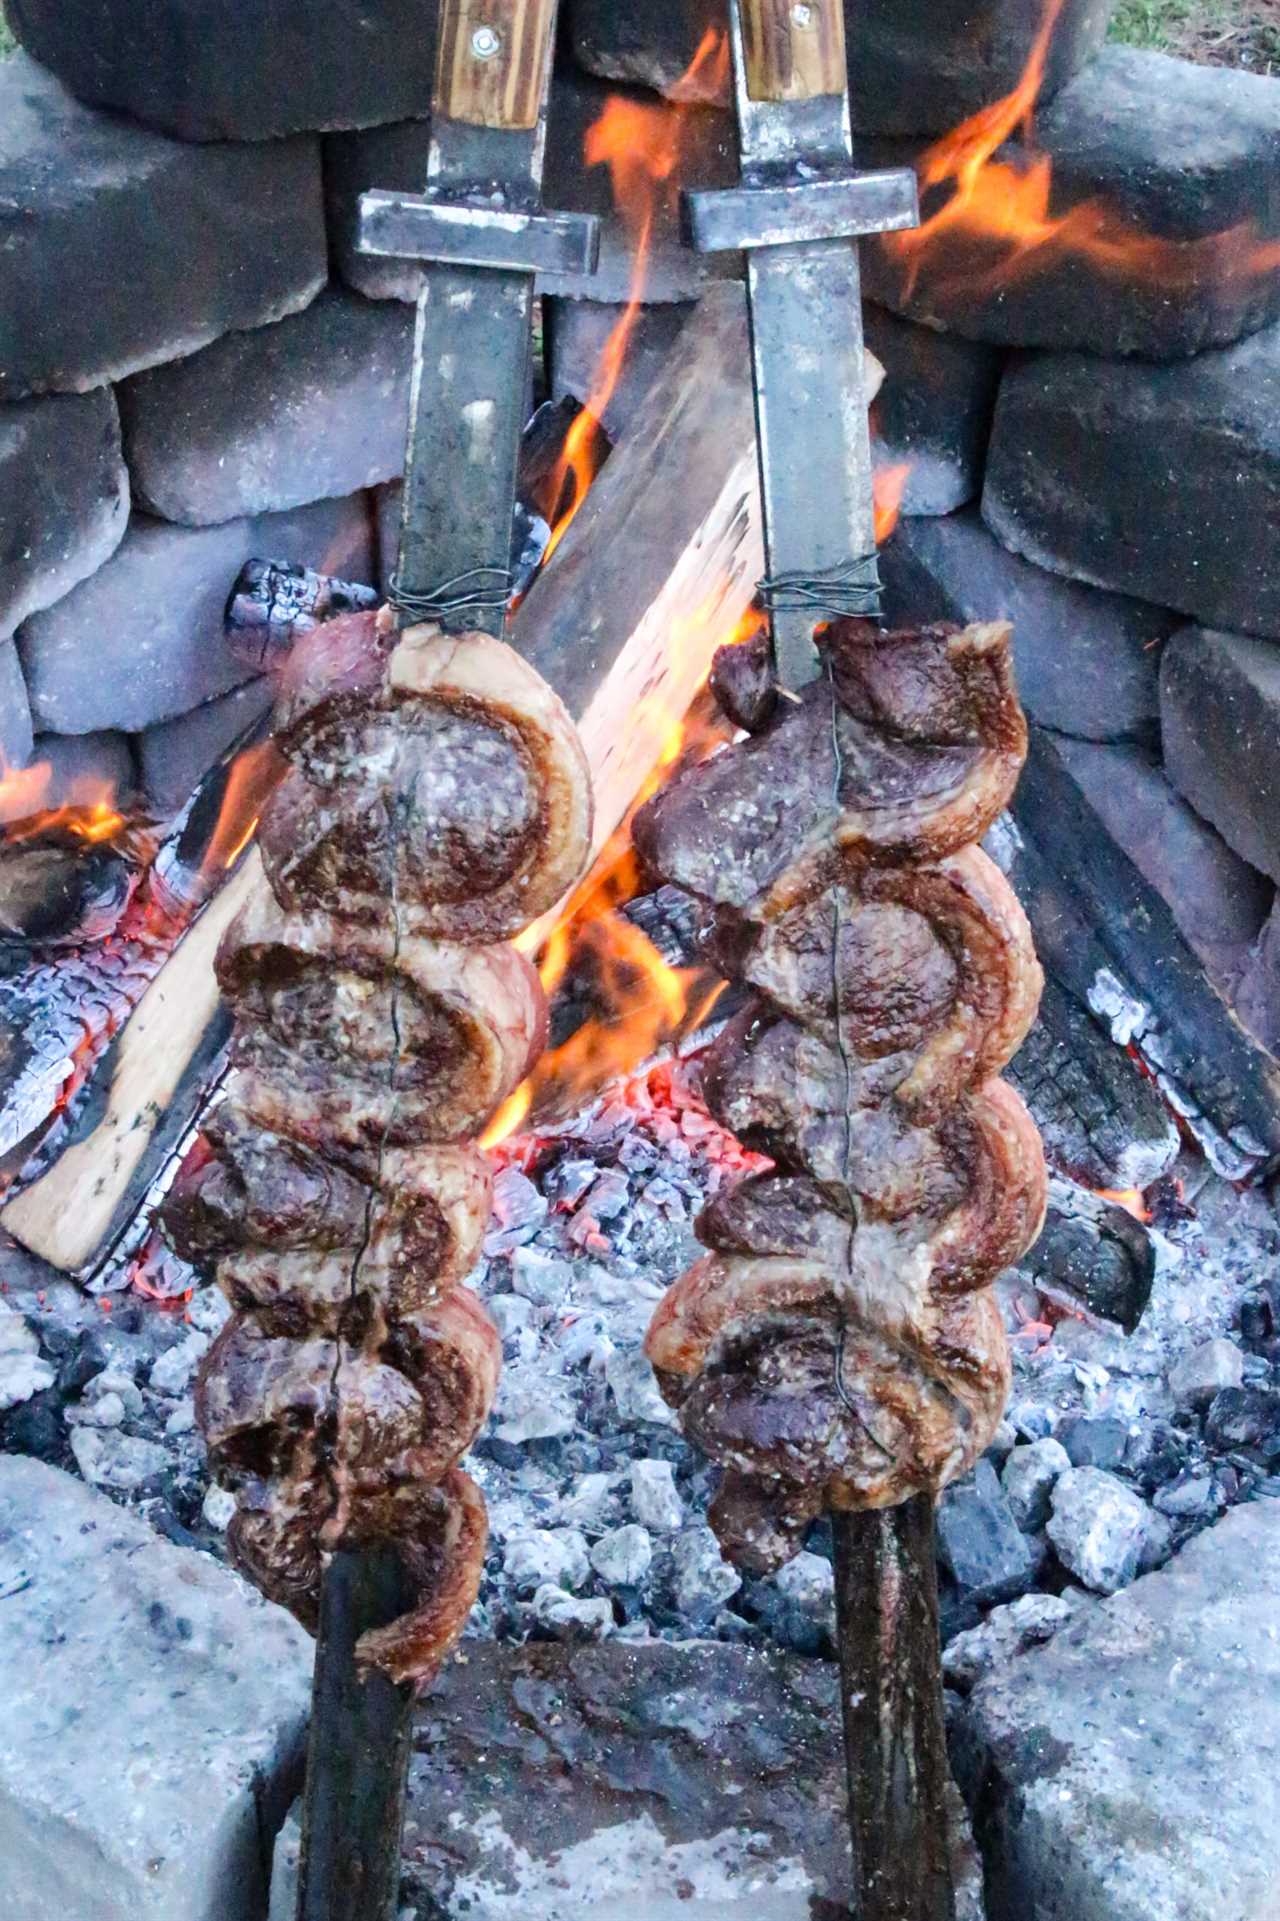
(1109, 487)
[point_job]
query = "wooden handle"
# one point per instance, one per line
(794, 48)
(494, 61)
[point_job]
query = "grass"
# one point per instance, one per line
(1218, 33)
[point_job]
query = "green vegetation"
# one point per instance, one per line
(1219, 33)
(8, 44)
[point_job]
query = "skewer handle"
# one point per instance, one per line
(492, 62)
(794, 48)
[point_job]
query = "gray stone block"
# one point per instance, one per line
(694, 1782)
(123, 249)
(912, 70)
(64, 497)
(15, 709)
(151, 1718)
(1170, 173)
(1158, 481)
(933, 413)
(1125, 1772)
(1220, 715)
(704, 154)
(173, 755)
(196, 69)
(311, 408)
(1088, 663)
(1257, 996)
(143, 641)
(1218, 900)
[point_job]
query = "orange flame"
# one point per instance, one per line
(640, 144)
(650, 1003)
(1129, 1198)
(253, 778)
(89, 813)
(1000, 209)
(888, 486)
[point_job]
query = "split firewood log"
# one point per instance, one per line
(438, 801)
(840, 1345)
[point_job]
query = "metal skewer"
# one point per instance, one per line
(797, 212)
(481, 231)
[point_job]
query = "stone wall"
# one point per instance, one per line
(196, 366)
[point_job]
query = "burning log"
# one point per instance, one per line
(273, 601)
(840, 1346)
(1110, 941)
(1103, 1120)
(371, 1040)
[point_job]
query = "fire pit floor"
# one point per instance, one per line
(599, 1508)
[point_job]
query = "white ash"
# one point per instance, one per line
(581, 1450)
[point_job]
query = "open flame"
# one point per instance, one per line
(998, 210)
(89, 814)
(1131, 1199)
(649, 1004)
(640, 143)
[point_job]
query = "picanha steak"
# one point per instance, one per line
(437, 801)
(840, 1345)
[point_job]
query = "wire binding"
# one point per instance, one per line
(478, 590)
(849, 589)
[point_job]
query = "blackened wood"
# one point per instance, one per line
(1102, 1119)
(273, 601)
(357, 1750)
(1092, 913)
(891, 1698)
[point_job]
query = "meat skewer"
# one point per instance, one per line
(342, 1203)
(839, 1347)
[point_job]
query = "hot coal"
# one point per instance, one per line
(58, 889)
(273, 601)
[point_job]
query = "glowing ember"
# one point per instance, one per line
(998, 210)
(888, 487)
(1130, 1199)
(640, 143)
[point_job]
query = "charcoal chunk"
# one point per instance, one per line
(123, 249)
(980, 1544)
(1245, 1417)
